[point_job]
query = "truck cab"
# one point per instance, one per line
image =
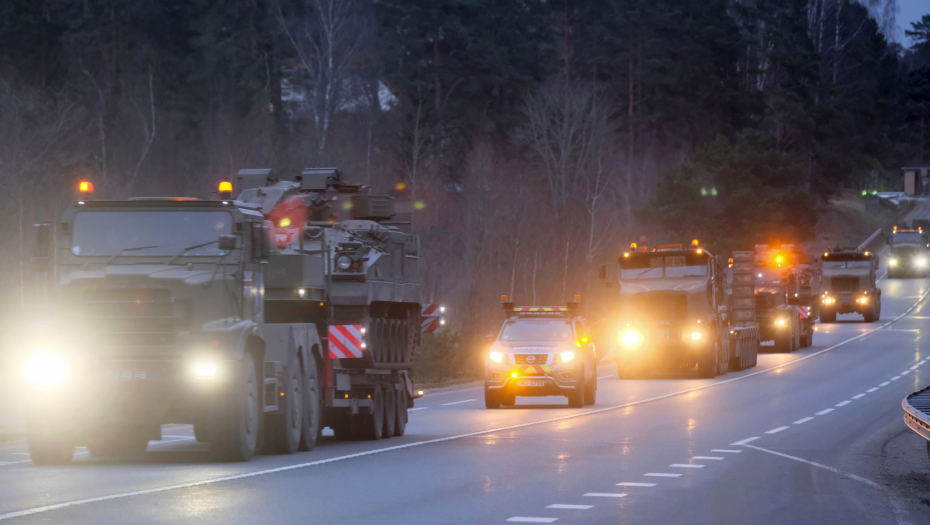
(849, 285)
(909, 254)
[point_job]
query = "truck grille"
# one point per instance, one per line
(662, 307)
(129, 316)
(530, 359)
(844, 284)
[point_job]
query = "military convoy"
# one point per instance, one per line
(259, 320)
(674, 313)
(849, 285)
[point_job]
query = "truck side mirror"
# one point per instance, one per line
(228, 243)
(42, 254)
(261, 248)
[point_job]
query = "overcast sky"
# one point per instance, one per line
(910, 11)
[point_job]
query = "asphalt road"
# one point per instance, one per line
(796, 440)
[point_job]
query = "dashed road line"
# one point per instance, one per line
(904, 373)
(631, 484)
(727, 451)
(707, 457)
(873, 389)
(886, 383)
(570, 507)
(801, 421)
(457, 402)
(857, 396)
(605, 377)
(844, 403)
(685, 465)
(915, 367)
(662, 475)
(822, 412)
(604, 495)
(777, 430)
(743, 442)
(527, 519)
(895, 378)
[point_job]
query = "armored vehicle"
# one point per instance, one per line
(849, 286)
(258, 320)
(909, 256)
(540, 351)
(673, 314)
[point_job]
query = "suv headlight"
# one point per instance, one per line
(497, 357)
(567, 356)
(45, 369)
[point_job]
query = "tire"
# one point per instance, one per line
(119, 445)
(390, 413)
(283, 431)
(707, 366)
(313, 406)
(491, 399)
(369, 426)
(796, 335)
(400, 416)
(201, 431)
(869, 316)
(576, 396)
(234, 427)
(50, 450)
(508, 400)
(590, 390)
(828, 317)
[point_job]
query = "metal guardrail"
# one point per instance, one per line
(876, 238)
(917, 412)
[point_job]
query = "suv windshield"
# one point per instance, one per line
(106, 233)
(537, 330)
(652, 266)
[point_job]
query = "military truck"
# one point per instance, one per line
(784, 283)
(849, 285)
(908, 255)
(673, 314)
(257, 320)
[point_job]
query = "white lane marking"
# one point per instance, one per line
(527, 519)
(178, 437)
(844, 403)
(857, 396)
(777, 430)
(683, 465)
(904, 373)
(895, 378)
(5, 463)
(211, 481)
(800, 421)
(886, 383)
(832, 469)
(631, 484)
(457, 402)
(570, 507)
(915, 367)
(708, 457)
(417, 408)
(661, 475)
(822, 412)
(743, 442)
(873, 389)
(725, 450)
(604, 495)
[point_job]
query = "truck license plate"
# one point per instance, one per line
(529, 382)
(663, 333)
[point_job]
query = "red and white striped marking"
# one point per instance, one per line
(345, 341)
(805, 311)
(431, 319)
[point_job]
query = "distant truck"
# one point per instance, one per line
(908, 255)
(849, 285)
(258, 320)
(540, 351)
(673, 314)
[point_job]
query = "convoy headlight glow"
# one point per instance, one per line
(696, 336)
(206, 369)
(921, 262)
(567, 356)
(828, 300)
(630, 337)
(45, 369)
(497, 357)
(343, 262)
(863, 300)
(892, 262)
(780, 322)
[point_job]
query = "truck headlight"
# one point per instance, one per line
(206, 369)
(892, 262)
(828, 300)
(497, 357)
(780, 322)
(630, 337)
(567, 356)
(344, 262)
(921, 262)
(45, 369)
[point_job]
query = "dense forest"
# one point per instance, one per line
(535, 138)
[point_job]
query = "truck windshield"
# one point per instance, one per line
(106, 233)
(846, 264)
(906, 237)
(652, 266)
(537, 330)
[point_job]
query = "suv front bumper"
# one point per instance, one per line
(532, 380)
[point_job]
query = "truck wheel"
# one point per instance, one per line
(400, 416)
(313, 409)
(201, 432)
(828, 317)
(369, 426)
(590, 390)
(796, 335)
(234, 428)
(390, 413)
(707, 366)
(50, 450)
(491, 399)
(283, 431)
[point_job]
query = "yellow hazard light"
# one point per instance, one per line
(694, 243)
(86, 187)
(633, 246)
(513, 374)
(778, 259)
(894, 229)
(503, 298)
(285, 222)
(225, 187)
